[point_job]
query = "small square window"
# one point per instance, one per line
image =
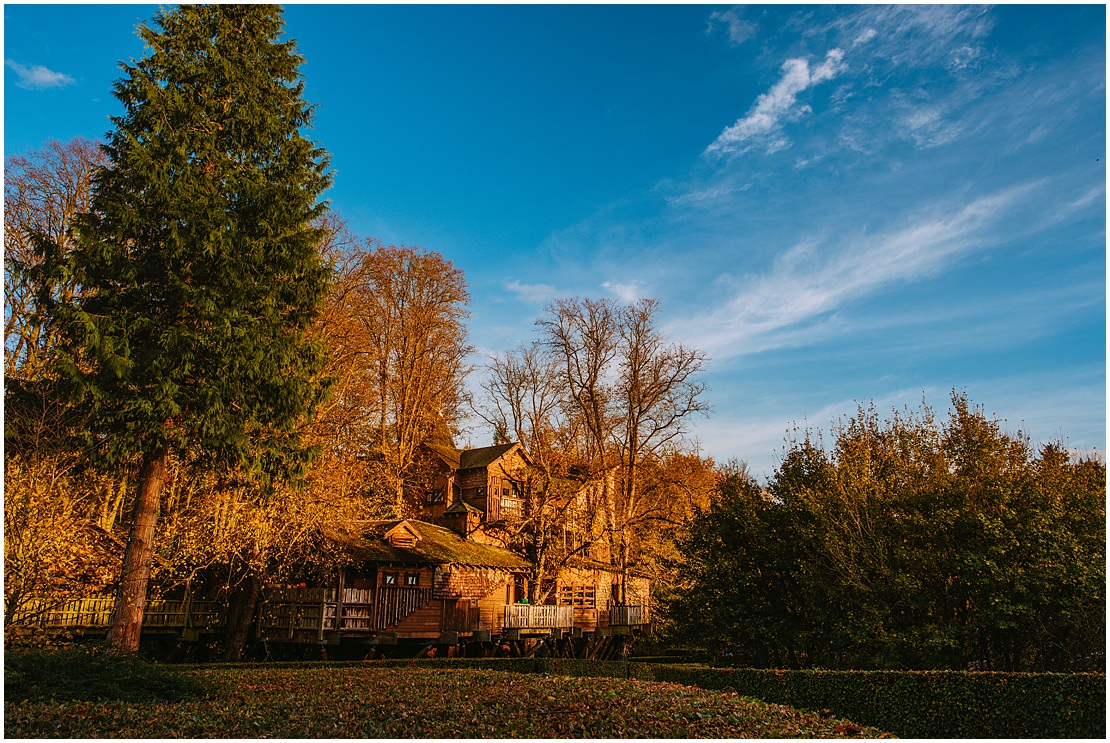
(412, 579)
(389, 579)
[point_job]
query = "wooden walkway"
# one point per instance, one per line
(312, 614)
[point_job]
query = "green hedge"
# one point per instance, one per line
(911, 704)
(922, 704)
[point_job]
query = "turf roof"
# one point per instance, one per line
(436, 546)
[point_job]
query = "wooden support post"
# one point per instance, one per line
(339, 583)
(598, 648)
(188, 607)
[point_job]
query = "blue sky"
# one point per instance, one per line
(837, 204)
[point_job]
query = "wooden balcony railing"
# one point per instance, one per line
(288, 610)
(358, 609)
(94, 613)
(69, 614)
(533, 616)
(621, 615)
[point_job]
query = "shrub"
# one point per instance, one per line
(92, 674)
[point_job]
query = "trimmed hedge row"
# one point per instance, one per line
(911, 704)
(924, 704)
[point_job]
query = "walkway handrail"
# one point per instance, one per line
(538, 616)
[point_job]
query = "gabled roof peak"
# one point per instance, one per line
(403, 534)
(486, 455)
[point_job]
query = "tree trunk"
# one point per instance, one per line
(240, 615)
(126, 621)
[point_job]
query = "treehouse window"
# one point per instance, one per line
(437, 496)
(389, 579)
(412, 579)
(578, 596)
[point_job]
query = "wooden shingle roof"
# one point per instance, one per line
(484, 457)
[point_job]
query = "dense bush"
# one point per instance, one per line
(909, 544)
(92, 674)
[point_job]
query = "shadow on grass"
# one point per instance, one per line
(93, 674)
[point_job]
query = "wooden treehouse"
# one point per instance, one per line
(410, 585)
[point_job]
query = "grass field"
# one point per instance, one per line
(365, 701)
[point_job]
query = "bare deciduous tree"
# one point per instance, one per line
(656, 394)
(525, 396)
(628, 393)
(43, 190)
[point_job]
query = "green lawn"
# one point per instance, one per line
(364, 701)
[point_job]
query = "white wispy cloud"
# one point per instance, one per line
(629, 292)
(927, 127)
(739, 29)
(37, 77)
(918, 35)
(865, 36)
(535, 293)
(879, 40)
(712, 193)
(815, 277)
(763, 122)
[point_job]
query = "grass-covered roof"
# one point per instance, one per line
(436, 546)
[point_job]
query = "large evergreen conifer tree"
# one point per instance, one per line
(199, 262)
